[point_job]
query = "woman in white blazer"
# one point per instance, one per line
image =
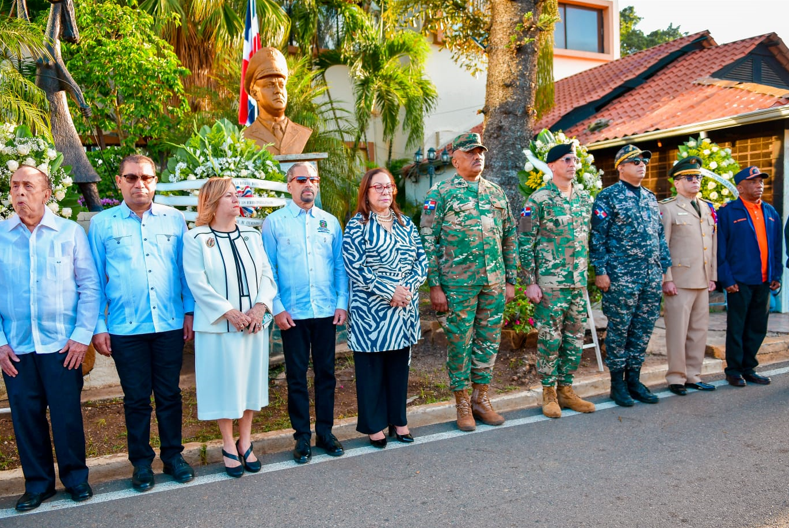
(231, 280)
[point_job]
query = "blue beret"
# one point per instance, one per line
(558, 151)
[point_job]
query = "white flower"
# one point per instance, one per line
(528, 167)
(99, 162)
(713, 195)
(598, 184)
(12, 165)
(66, 181)
(716, 148)
(705, 140)
(66, 212)
(243, 173)
(727, 150)
(191, 177)
(52, 154)
(691, 143)
(44, 167)
(725, 192)
(590, 159)
(711, 185)
(30, 162)
(713, 165)
(538, 143)
(684, 154)
(53, 207)
(587, 176)
(60, 195)
(706, 152)
(546, 178)
(23, 150)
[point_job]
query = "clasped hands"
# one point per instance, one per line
(252, 319)
(401, 297)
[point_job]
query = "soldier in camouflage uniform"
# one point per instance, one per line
(554, 233)
(470, 239)
(630, 255)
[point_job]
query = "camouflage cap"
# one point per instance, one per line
(267, 61)
(629, 152)
(686, 167)
(466, 142)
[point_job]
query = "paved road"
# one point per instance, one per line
(706, 460)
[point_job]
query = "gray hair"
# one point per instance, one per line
(311, 168)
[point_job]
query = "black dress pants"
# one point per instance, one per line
(746, 327)
(381, 389)
(317, 335)
(151, 363)
(43, 381)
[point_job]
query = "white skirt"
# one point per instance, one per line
(231, 372)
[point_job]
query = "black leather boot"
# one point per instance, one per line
(619, 389)
(638, 390)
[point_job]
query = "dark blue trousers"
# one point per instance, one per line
(151, 363)
(746, 327)
(43, 381)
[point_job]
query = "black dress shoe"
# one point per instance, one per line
(252, 467)
(379, 444)
(142, 478)
(735, 381)
(700, 386)
(235, 471)
(80, 492)
(406, 438)
(330, 444)
(302, 453)
(31, 501)
(757, 379)
(679, 390)
(180, 470)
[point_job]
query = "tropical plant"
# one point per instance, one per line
(716, 159)
(519, 313)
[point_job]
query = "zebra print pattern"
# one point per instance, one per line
(376, 261)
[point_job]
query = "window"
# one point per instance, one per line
(580, 28)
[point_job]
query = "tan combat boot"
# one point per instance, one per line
(550, 408)
(568, 399)
(481, 407)
(465, 419)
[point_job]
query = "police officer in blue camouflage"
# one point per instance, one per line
(629, 252)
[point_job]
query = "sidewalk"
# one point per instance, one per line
(112, 467)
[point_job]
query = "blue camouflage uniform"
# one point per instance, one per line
(629, 246)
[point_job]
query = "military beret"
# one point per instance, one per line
(558, 151)
(466, 142)
(629, 152)
(686, 167)
(267, 61)
(749, 173)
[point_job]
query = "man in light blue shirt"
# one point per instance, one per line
(137, 247)
(49, 303)
(304, 246)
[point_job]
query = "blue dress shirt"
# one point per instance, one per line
(305, 252)
(139, 262)
(49, 288)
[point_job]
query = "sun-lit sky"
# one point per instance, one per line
(727, 20)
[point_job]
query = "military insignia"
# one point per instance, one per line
(526, 212)
(210, 242)
(430, 205)
(600, 213)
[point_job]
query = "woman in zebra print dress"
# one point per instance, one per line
(386, 265)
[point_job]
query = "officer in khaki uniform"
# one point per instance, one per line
(690, 227)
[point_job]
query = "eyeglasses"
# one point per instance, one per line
(571, 160)
(381, 188)
(303, 179)
(639, 161)
(692, 177)
(132, 178)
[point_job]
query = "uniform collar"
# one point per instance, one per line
(48, 220)
(126, 212)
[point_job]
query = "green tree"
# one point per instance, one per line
(130, 76)
(633, 39)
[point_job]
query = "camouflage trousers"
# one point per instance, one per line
(473, 329)
(560, 318)
(632, 309)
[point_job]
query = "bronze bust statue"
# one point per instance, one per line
(265, 81)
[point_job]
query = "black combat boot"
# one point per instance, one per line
(638, 390)
(619, 389)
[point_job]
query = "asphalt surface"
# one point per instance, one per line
(705, 460)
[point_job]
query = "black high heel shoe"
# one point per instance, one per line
(406, 438)
(380, 444)
(252, 467)
(233, 471)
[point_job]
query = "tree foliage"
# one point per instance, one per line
(130, 76)
(633, 39)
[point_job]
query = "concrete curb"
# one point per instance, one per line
(115, 467)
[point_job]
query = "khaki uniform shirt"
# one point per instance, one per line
(692, 241)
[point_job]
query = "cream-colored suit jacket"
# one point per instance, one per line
(692, 240)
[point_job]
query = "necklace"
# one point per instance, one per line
(385, 218)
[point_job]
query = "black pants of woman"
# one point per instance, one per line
(381, 389)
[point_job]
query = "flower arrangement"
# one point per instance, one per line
(18, 146)
(532, 178)
(519, 313)
(717, 160)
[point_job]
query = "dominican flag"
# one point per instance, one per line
(247, 108)
(245, 192)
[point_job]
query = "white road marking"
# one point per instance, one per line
(66, 503)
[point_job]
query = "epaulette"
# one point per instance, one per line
(494, 185)
(542, 190)
(708, 201)
(648, 190)
(667, 200)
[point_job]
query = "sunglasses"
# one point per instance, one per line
(303, 179)
(571, 160)
(639, 161)
(132, 178)
(692, 177)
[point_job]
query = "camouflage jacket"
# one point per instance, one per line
(627, 235)
(554, 237)
(469, 237)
